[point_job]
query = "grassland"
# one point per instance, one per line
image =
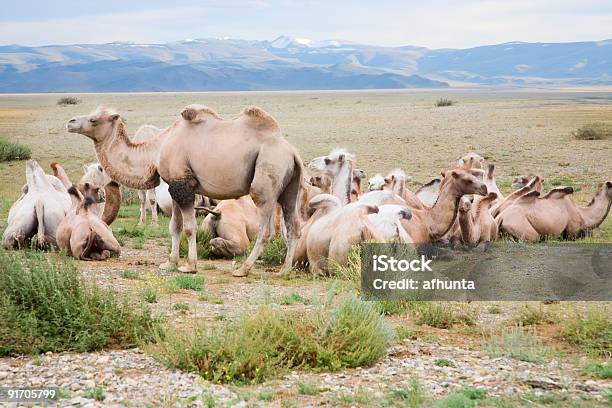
(521, 132)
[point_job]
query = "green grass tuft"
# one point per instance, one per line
(13, 151)
(443, 316)
(293, 299)
(45, 305)
(599, 370)
(260, 344)
(593, 131)
(96, 393)
(591, 332)
(308, 389)
(189, 282)
(443, 362)
(517, 343)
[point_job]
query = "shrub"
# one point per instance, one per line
(260, 344)
(351, 273)
(308, 389)
(443, 316)
(274, 252)
(443, 362)
(591, 332)
(45, 305)
(96, 393)
(13, 151)
(518, 343)
(593, 131)
(603, 370)
(444, 102)
(529, 316)
(68, 100)
(293, 299)
(189, 282)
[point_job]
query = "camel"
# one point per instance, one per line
(387, 222)
(535, 184)
(232, 225)
(428, 225)
(38, 212)
(532, 217)
(358, 175)
(471, 161)
(322, 182)
(337, 165)
(489, 180)
(478, 228)
(202, 153)
(82, 234)
(148, 198)
(377, 182)
(95, 177)
(520, 182)
(332, 235)
(428, 193)
(381, 197)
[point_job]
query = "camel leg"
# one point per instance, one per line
(152, 200)
(142, 196)
(266, 226)
(483, 246)
(291, 224)
(175, 227)
(226, 248)
(190, 225)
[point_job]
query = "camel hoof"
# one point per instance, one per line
(169, 265)
(240, 272)
(188, 269)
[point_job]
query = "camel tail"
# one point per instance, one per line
(92, 239)
(40, 218)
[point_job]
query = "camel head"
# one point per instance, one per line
(465, 204)
(322, 181)
(97, 125)
(376, 183)
(331, 164)
(466, 183)
(358, 175)
(520, 182)
(471, 161)
(94, 174)
(605, 191)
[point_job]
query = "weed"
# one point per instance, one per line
(443, 362)
(96, 393)
(599, 370)
(181, 307)
(203, 247)
(403, 332)
(129, 274)
(265, 395)
(494, 309)
(412, 396)
(149, 295)
(189, 282)
(593, 131)
(591, 332)
(13, 151)
(517, 342)
(308, 389)
(68, 100)
(293, 299)
(443, 316)
(529, 316)
(45, 305)
(444, 102)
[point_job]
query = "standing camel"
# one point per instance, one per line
(147, 198)
(202, 153)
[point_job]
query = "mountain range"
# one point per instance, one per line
(289, 63)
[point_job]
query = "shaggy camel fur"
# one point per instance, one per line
(232, 225)
(338, 165)
(201, 153)
(388, 222)
(95, 177)
(38, 212)
(84, 236)
(478, 228)
(428, 225)
(395, 181)
(531, 218)
(535, 184)
(331, 236)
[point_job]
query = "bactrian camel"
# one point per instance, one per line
(95, 177)
(202, 153)
(531, 217)
(478, 228)
(38, 212)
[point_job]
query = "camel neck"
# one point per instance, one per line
(128, 163)
(444, 211)
(596, 212)
(467, 225)
(341, 186)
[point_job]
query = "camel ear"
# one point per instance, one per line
(327, 161)
(100, 168)
(370, 208)
(113, 117)
(388, 180)
(609, 184)
(455, 174)
(341, 158)
(443, 174)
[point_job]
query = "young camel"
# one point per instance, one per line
(331, 236)
(337, 165)
(38, 212)
(202, 153)
(478, 228)
(358, 175)
(428, 225)
(471, 161)
(95, 177)
(531, 218)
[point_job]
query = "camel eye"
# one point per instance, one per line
(92, 121)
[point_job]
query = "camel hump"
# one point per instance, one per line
(259, 118)
(559, 192)
(528, 198)
(196, 113)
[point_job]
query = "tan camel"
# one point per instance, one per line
(337, 165)
(358, 175)
(37, 214)
(148, 198)
(471, 161)
(205, 154)
(332, 235)
(478, 228)
(232, 225)
(95, 177)
(322, 182)
(535, 184)
(428, 193)
(388, 222)
(490, 182)
(428, 225)
(531, 218)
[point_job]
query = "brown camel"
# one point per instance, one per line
(358, 175)
(202, 153)
(556, 214)
(95, 177)
(428, 225)
(478, 228)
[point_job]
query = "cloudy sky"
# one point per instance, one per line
(434, 24)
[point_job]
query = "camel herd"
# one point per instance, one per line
(253, 185)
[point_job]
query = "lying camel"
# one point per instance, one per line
(428, 225)
(338, 165)
(95, 177)
(531, 218)
(478, 228)
(232, 225)
(331, 236)
(38, 212)
(388, 222)
(490, 182)
(358, 175)
(202, 153)
(535, 184)
(83, 235)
